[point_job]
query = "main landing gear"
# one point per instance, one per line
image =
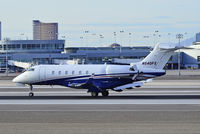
(31, 94)
(94, 94)
(104, 93)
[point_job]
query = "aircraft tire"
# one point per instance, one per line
(105, 93)
(94, 94)
(31, 94)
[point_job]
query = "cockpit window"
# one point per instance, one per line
(31, 69)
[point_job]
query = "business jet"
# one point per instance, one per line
(100, 78)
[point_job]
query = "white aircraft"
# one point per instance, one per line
(100, 78)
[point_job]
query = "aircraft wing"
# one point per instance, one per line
(80, 85)
(24, 65)
(132, 85)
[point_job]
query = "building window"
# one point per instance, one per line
(5, 47)
(73, 72)
(24, 46)
(18, 46)
(66, 72)
(53, 72)
(59, 72)
(87, 72)
(43, 46)
(80, 72)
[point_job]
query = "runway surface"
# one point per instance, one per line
(157, 108)
(140, 111)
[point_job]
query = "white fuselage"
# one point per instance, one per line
(52, 72)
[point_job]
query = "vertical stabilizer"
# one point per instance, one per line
(158, 57)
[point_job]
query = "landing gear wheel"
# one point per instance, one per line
(105, 93)
(31, 94)
(94, 94)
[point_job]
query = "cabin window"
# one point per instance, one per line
(80, 72)
(59, 72)
(87, 72)
(66, 72)
(31, 69)
(73, 72)
(53, 72)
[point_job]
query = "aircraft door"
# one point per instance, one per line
(42, 73)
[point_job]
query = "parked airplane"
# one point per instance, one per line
(100, 78)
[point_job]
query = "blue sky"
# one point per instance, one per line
(103, 17)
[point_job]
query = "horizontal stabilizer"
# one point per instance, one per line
(170, 46)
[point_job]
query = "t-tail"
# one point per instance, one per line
(159, 56)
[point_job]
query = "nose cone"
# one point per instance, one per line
(20, 79)
(16, 80)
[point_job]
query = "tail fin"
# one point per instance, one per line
(159, 56)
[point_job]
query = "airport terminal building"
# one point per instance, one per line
(46, 48)
(37, 51)
(52, 51)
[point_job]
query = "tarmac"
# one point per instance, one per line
(169, 105)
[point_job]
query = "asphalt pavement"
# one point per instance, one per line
(161, 107)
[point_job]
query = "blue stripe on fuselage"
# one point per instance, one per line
(106, 81)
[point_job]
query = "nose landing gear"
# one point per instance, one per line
(31, 94)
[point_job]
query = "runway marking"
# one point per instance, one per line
(112, 92)
(99, 110)
(104, 101)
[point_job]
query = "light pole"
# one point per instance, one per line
(101, 39)
(169, 37)
(155, 37)
(115, 34)
(129, 39)
(6, 47)
(81, 40)
(86, 37)
(22, 34)
(122, 31)
(179, 37)
(64, 38)
(185, 38)
(6, 59)
(93, 39)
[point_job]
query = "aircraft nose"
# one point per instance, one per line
(16, 80)
(19, 79)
